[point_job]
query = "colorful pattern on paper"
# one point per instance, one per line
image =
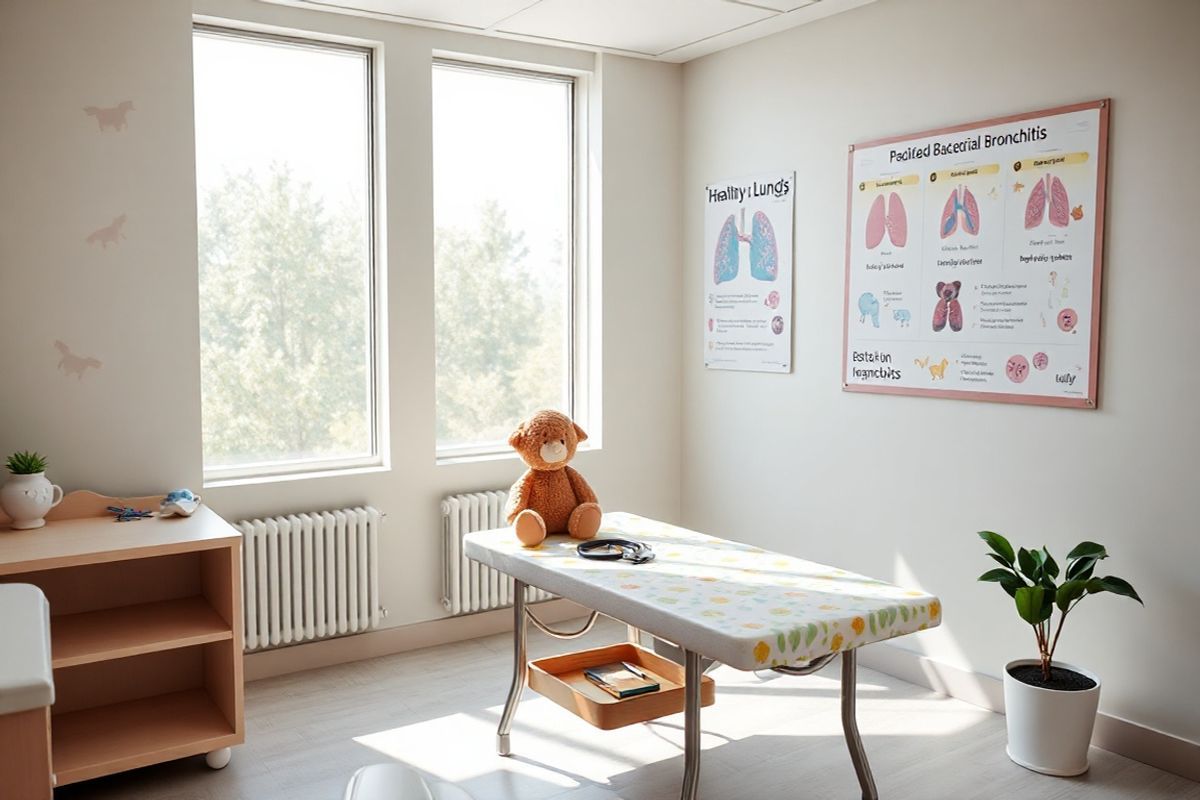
(761, 608)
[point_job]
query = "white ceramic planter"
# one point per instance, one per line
(1049, 731)
(28, 498)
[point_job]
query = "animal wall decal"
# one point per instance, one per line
(74, 364)
(1048, 193)
(764, 249)
(894, 222)
(961, 212)
(903, 316)
(937, 372)
(115, 117)
(868, 306)
(109, 234)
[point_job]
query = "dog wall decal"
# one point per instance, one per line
(937, 372)
(115, 117)
(109, 234)
(73, 364)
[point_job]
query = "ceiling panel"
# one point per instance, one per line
(640, 26)
(776, 5)
(667, 30)
(469, 13)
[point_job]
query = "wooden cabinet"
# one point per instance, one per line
(145, 629)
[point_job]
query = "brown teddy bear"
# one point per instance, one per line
(550, 497)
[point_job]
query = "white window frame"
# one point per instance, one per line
(583, 280)
(378, 458)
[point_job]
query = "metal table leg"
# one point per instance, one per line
(850, 726)
(520, 671)
(691, 725)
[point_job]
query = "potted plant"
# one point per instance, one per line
(1050, 706)
(28, 496)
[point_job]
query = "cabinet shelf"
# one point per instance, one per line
(101, 741)
(110, 633)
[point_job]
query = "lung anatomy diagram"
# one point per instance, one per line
(961, 212)
(764, 249)
(1048, 193)
(948, 309)
(893, 222)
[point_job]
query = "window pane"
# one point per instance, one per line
(502, 151)
(283, 178)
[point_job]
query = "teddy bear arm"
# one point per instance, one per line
(518, 497)
(583, 492)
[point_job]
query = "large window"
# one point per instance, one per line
(285, 201)
(505, 252)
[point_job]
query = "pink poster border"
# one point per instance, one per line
(1091, 401)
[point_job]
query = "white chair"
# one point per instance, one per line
(397, 782)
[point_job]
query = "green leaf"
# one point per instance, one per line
(1081, 568)
(904, 613)
(871, 622)
(1000, 561)
(794, 638)
(1087, 550)
(1011, 584)
(1029, 565)
(999, 544)
(1069, 592)
(812, 634)
(26, 463)
(1049, 565)
(1115, 585)
(1029, 603)
(782, 642)
(996, 575)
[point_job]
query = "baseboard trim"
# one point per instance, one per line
(387, 641)
(1130, 739)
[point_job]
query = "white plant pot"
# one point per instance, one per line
(1049, 730)
(28, 498)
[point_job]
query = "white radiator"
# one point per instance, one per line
(468, 586)
(310, 575)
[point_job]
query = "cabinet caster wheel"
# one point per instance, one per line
(218, 759)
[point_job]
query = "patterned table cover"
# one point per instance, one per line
(742, 605)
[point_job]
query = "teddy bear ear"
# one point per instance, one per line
(941, 285)
(514, 439)
(579, 432)
(957, 285)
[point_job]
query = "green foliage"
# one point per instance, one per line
(1028, 576)
(284, 304)
(26, 463)
(500, 325)
(284, 333)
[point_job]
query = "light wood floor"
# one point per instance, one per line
(767, 737)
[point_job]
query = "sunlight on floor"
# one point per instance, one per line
(555, 749)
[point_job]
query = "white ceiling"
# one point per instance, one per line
(665, 30)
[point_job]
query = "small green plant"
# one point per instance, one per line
(26, 463)
(1028, 576)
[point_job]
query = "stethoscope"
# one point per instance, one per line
(615, 550)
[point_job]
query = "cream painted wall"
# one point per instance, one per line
(133, 425)
(894, 486)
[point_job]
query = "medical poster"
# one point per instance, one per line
(973, 260)
(748, 273)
